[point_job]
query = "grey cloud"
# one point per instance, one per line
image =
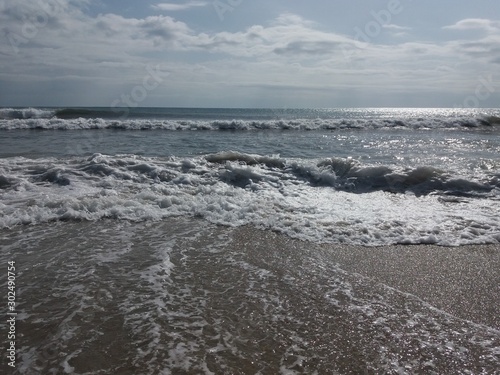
(165, 28)
(111, 25)
(162, 27)
(479, 49)
(306, 47)
(49, 14)
(156, 29)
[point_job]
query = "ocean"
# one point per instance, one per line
(203, 241)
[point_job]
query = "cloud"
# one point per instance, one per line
(110, 51)
(67, 41)
(392, 26)
(164, 27)
(288, 19)
(308, 48)
(396, 30)
(172, 7)
(486, 25)
(485, 49)
(288, 35)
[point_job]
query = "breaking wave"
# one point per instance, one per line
(25, 113)
(39, 120)
(327, 200)
(239, 119)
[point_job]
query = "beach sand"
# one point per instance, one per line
(186, 296)
(463, 281)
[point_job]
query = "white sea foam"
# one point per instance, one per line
(24, 113)
(11, 119)
(328, 200)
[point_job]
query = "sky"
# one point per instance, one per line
(250, 53)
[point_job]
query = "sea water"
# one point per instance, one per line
(369, 177)
(180, 240)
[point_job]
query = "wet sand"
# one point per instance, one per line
(183, 296)
(463, 281)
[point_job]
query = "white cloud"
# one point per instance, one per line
(288, 19)
(485, 48)
(175, 7)
(395, 27)
(490, 26)
(288, 35)
(396, 30)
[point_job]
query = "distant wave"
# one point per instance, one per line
(25, 113)
(242, 119)
(64, 113)
(11, 119)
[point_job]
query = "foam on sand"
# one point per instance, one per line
(184, 295)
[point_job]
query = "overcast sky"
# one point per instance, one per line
(250, 53)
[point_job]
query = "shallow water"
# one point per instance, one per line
(184, 296)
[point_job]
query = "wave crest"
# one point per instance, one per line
(328, 200)
(25, 113)
(11, 119)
